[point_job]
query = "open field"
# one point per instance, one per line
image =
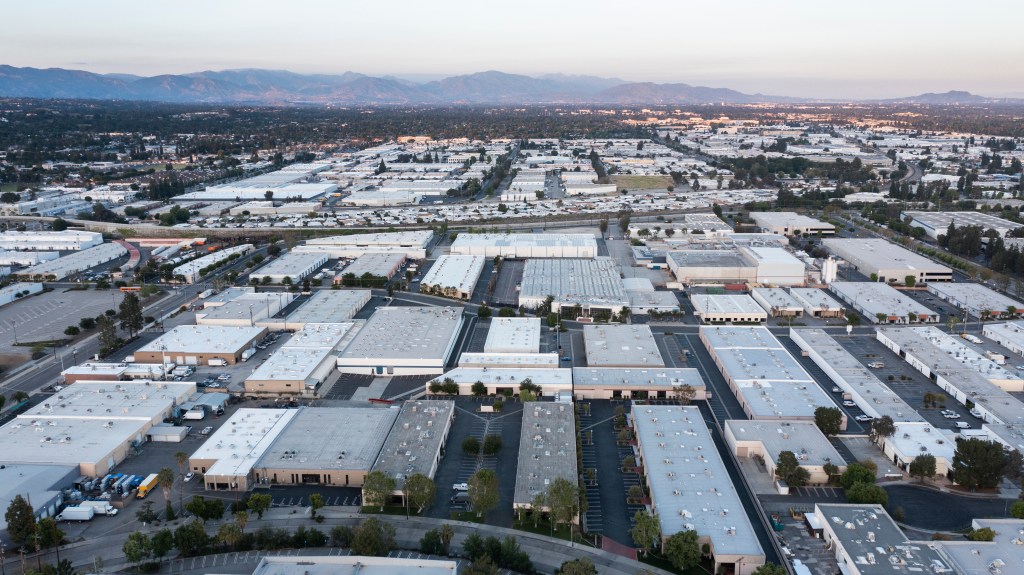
(634, 183)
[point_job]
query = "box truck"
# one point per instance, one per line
(149, 484)
(76, 513)
(101, 507)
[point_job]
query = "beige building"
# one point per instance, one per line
(198, 344)
(768, 439)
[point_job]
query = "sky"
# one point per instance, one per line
(804, 48)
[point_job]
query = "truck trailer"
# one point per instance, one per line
(76, 513)
(149, 484)
(101, 507)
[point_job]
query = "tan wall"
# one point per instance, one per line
(274, 388)
(331, 477)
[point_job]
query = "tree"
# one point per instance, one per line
(910, 281)
(1017, 509)
(228, 535)
(206, 509)
(646, 530)
(50, 535)
(21, 522)
(108, 332)
(378, 488)
(603, 226)
(162, 542)
(145, 514)
(683, 550)
(563, 501)
(537, 505)
(87, 323)
(492, 444)
(482, 566)
(471, 446)
(978, 463)
(882, 427)
(316, 503)
(867, 493)
(131, 314)
(191, 538)
(10, 198)
(483, 491)
(373, 537)
(788, 469)
(58, 225)
(829, 420)
(259, 503)
(418, 491)
(478, 388)
(922, 467)
(430, 543)
(983, 534)
(683, 393)
(483, 312)
(447, 533)
(72, 330)
(856, 473)
(165, 479)
(770, 569)
(137, 547)
(581, 566)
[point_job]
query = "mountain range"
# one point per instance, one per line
(278, 87)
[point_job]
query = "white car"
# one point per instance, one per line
(189, 476)
(976, 413)
(850, 403)
(950, 414)
(460, 487)
(863, 418)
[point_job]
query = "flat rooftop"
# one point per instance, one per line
(636, 377)
(940, 221)
(406, 333)
(772, 382)
(242, 440)
(690, 486)
(705, 304)
(573, 281)
(547, 449)
(790, 220)
(976, 298)
(850, 375)
(112, 400)
(455, 272)
(291, 264)
(803, 438)
(912, 439)
(722, 258)
(320, 335)
(39, 483)
(352, 565)
(876, 297)
(415, 439)
(778, 298)
(815, 298)
(77, 261)
(203, 339)
(331, 438)
(1004, 554)
(377, 264)
(511, 376)
(330, 306)
(621, 346)
(296, 364)
(870, 254)
(418, 238)
(1011, 332)
(464, 241)
(513, 335)
(489, 360)
(875, 543)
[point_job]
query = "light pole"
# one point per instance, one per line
(251, 322)
(163, 355)
(14, 324)
(74, 355)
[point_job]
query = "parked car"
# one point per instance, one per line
(976, 413)
(835, 389)
(864, 418)
(950, 414)
(460, 487)
(849, 403)
(962, 425)
(189, 476)
(206, 430)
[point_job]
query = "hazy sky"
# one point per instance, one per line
(813, 48)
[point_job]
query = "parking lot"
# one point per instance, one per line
(510, 276)
(45, 316)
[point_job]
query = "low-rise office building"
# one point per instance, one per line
(715, 266)
(498, 360)
(412, 244)
(817, 303)
(994, 557)
(978, 300)
(324, 306)
(227, 459)
(637, 383)
(881, 303)
(768, 440)
(644, 299)
(198, 344)
(453, 276)
(547, 451)
(513, 335)
(690, 488)
(498, 380)
(621, 346)
(300, 365)
(866, 541)
(887, 261)
(791, 224)
(416, 440)
(727, 308)
(403, 341)
(520, 246)
(292, 266)
(919, 438)
(378, 265)
(777, 302)
(247, 309)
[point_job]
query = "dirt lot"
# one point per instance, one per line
(634, 183)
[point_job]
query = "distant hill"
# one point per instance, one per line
(257, 86)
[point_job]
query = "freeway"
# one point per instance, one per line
(914, 173)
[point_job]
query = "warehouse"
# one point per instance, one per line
(377, 265)
(919, 438)
(26, 259)
(292, 266)
(333, 446)
(768, 440)
(252, 189)
(644, 299)
(1009, 335)
(520, 246)
(507, 380)
(416, 441)
(979, 301)
(42, 485)
(727, 308)
(856, 381)
(453, 276)
(16, 291)
(404, 341)
(58, 269)
(413, 244)
(496, 360)
(591, 284)
(547, 451)
(791, 224)
(636, 383)
(248, 309)
(777, 302)
(198, 344)
(228, 458)
(91, 425)
(817, 303)
(324, 306)
(513, 335)
(621, 346)
(962, 376)
(191, 272)
(768, 382)
(98, 371)
(298, 369)
(881, 303)
(65, 241)
(866, 541)
(711, 267)
(984, 558)
(886, 261)
(690, 488)
(937, 223)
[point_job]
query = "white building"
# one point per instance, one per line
(1009, 335)
(404, 341)
(190, 271)
(881, 303)
(519, 246)
(296, 266)
(727, 308)
(67, 240)
(227, 459)
(76, 262)
(453, 276)
(768, 439)
(936, 224)
(777, 302)
(817, 303)
(198, 344)
(18, 290)
(547, 451)
(920, 438)
(498, 380)
(888, 261)
(411, 243)
(513, 335)
(978, 300)
(866, 541)
(790, 224)
(324, 306)
(621, 346)
(591, 284)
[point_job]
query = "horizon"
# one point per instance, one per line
(824, 56)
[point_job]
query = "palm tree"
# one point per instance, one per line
(242, 519)
(182, 459)
(165, 478)
(447, 534)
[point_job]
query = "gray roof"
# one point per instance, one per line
(874, 254)
(873, 541)
(639, 377)
(406, 332)
(547, 449)
(803, 438)
(871, 298)
(331, 438)
(722, 258)
(621, 346)
(574, 281)
(415, 439)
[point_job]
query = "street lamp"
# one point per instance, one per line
(74, 355)
(14, 324)
(251, 322)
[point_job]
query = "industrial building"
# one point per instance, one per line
(404, 341)
(353, 565)
(513, 335)
(90, 425)
(770, 265)
(817, 303)
(65, 241)
(882, 303)
(228, 458)
(936, 224)
(416, 440)
(986, 557)
(334, 446)
(18, 290)
(727, 308)
(43, 485)
(98, 371)
(1009, 335)
(978, 300)
(498, 380)
(644, 299)
(293, 266)
(453, 276)
(768, 382)
(189, 272)
(58, 269)
(547, 451)
(887, 261)
(636, 383)
(857, 382)
(412, 244)
(768, 439)
(591, 284)
(26, 259)
(324, 306)
(775, 265)
(497, 360)
(301, 364)
(198, 344)
(621, 346)
(246, 309)
(791, 224)
(378, 265)
(520, 246)
(690, 488)
(866, 541)
(919, 438)
(777, 302)
(964, 376)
